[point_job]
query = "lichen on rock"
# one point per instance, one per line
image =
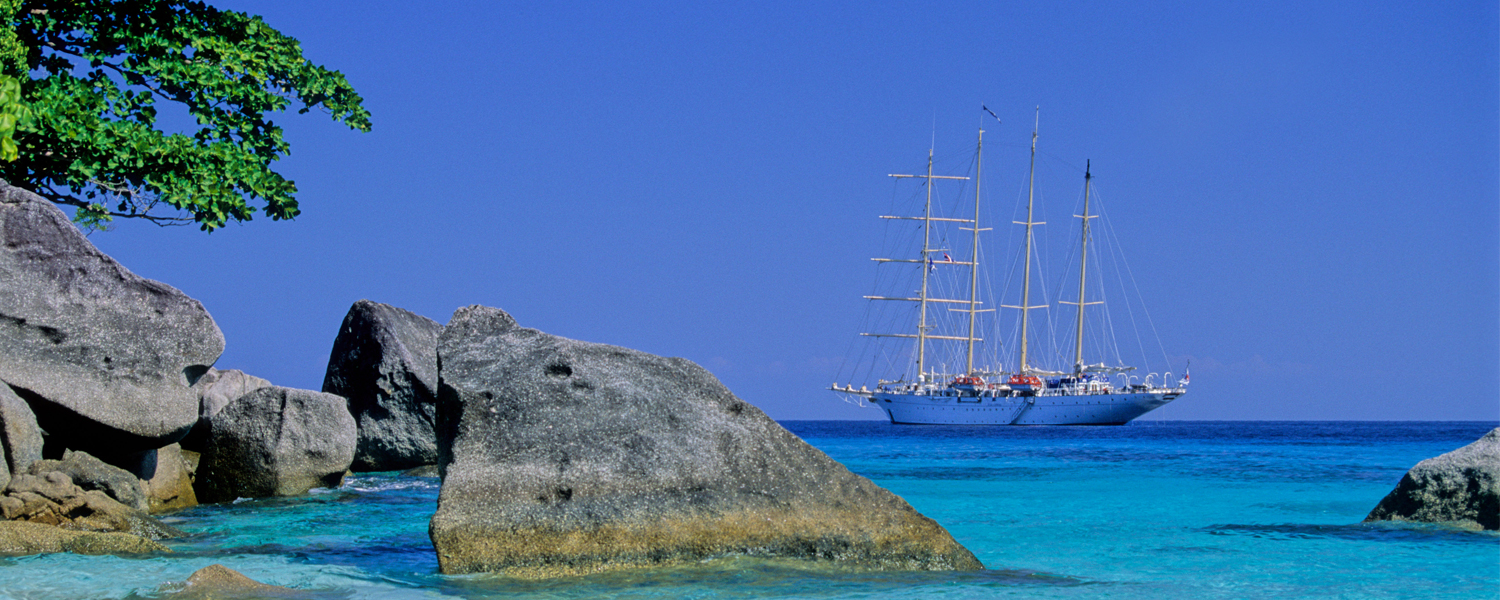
(21, 538)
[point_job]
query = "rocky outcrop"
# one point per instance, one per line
(90, 473)
(384, 361)
(51, 498)
(171, 488)
(20, 438)
(103, 357)
(1461, 487)
(21, 538)
(276, 441)
(562, 457)
(216, 389)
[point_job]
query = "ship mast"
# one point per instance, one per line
(1026, 280)
(927, 265)
(926, 270)
(1083, 264)
(974, 266)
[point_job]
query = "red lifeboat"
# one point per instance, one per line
(967, 382)
(1025, 383)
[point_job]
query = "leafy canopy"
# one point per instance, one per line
(85, 78)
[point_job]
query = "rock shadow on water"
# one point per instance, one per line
(1389, 531)
(744, 577)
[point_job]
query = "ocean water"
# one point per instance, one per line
(1148, 510)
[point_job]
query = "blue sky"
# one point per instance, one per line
(1308, 193)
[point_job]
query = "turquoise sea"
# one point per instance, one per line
(1148, 510)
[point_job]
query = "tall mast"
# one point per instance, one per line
(926, 270)
(1083, 264)
(974, 261)
(927, 264)
(1026, 281)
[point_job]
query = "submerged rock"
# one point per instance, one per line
(562, 457)
(216, 389)
(21, 538)
(218, 581)
(384, 361)
(1460, 487)
(276, 441)
(103, 357)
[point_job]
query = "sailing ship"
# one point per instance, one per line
(1086, 394)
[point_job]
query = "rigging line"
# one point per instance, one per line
(1105, 237)
(1129, 306)
(1106, 336)
(1105, 228)
(1147, 310)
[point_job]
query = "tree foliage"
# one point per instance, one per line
(90, 76)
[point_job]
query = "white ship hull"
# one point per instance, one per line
(1070, 409)
(1025, 392)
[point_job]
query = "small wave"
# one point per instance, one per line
(389, 484)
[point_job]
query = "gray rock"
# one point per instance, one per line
(90, 473)
(276, 441)
(384, 361)
(20, 437)
(1461, 487)
(53, 485)
(216, 389)
(562, 457)
(103, 357)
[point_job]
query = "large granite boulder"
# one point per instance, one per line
(562, 457)
(103, 357)
(1460, 487)
(384, 361)
(276, 441)
(216, 389)
(20, 437)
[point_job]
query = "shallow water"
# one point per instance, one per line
(1149, 510)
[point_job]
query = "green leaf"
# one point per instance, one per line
(75, 135)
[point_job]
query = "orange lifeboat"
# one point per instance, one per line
(967, 382)
(1025, 383)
